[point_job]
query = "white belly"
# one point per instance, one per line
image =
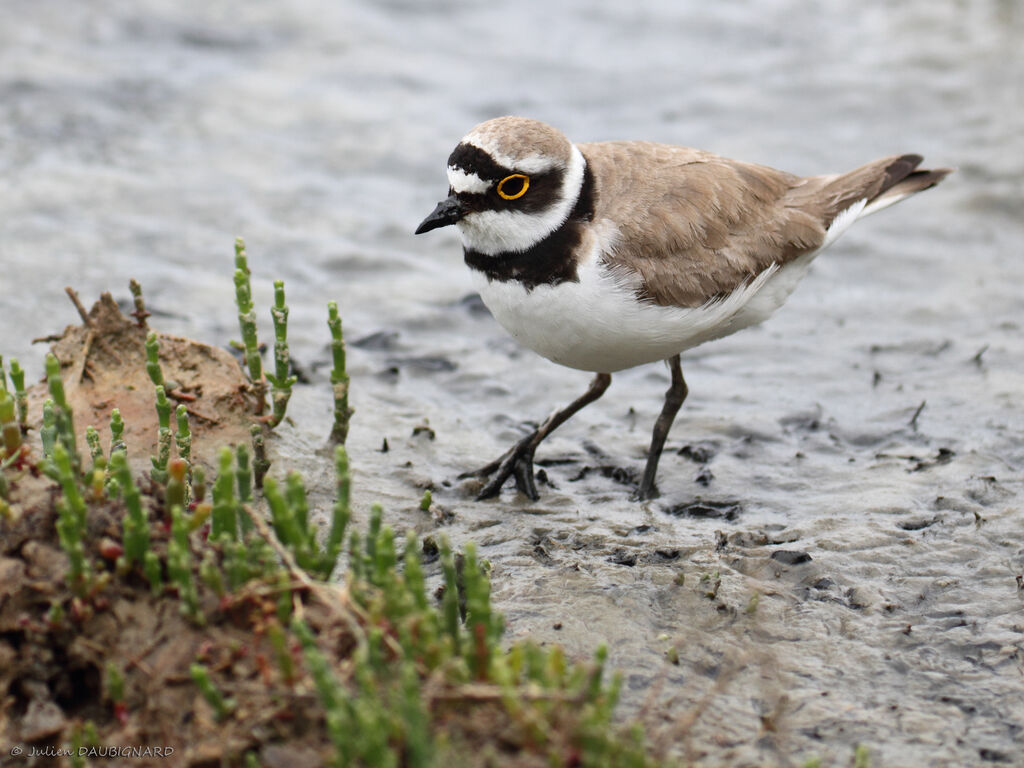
(598, 325)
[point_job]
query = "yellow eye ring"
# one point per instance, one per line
(501, 184)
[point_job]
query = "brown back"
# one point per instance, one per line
(695, 226)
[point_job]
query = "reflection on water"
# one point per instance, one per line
(138, 141)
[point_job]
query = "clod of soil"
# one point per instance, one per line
(103, 364)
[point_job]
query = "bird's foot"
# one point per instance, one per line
(517, 462)
(646, 492)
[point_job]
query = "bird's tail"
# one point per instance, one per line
(901, 180)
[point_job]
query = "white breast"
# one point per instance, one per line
(597, 324)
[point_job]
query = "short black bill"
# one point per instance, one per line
(447, 212)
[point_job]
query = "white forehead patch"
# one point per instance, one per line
(461, 181)
(530, 164)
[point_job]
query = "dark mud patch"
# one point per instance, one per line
(921, 463)
(626, 476)
(381, 341)
(704, 477)
(707, 509)
(638, 556)
(918, 524)
(790, 557)
(623, 557)
(803, 422)
(423, 364)
(700, 453)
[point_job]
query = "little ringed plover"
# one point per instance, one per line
(603, 256)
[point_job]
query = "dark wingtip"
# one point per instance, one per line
(903, 173)
(899, 169)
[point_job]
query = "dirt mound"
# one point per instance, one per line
(103, 365)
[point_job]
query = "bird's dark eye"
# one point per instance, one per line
(513, 187)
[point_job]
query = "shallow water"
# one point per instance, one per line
(137, 141)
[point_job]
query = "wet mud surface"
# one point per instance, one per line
(837, 553)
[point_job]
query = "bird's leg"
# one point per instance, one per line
(674, 398)
(517, 462)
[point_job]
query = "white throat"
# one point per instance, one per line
(494, 232)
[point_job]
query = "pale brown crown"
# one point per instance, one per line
(521, 143)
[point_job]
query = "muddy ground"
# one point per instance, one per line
(885, 551)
